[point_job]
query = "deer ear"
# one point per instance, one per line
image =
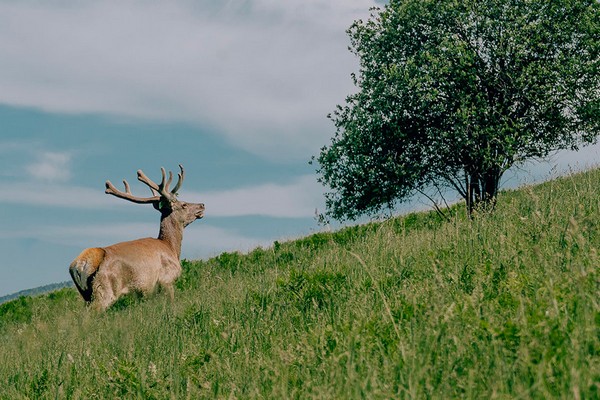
(161, 205)
(164, 204)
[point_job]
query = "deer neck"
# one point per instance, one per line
(171, 232)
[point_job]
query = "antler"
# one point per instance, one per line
(181, 175)
(158, 191)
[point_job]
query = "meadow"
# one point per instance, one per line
(504, 305)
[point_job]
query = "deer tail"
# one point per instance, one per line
(83, 269)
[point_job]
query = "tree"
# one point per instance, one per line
(453, 93)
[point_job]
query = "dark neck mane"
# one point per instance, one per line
(171, 232)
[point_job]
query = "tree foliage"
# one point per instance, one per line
(454, 93)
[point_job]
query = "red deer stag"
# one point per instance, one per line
(103, 274)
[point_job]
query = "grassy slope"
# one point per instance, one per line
(504, 306)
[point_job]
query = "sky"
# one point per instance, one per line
(237, 91)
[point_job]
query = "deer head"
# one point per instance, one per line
(163, 198)
(103, 274)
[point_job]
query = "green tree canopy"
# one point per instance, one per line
(453, 93)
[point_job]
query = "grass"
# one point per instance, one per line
(502, 306)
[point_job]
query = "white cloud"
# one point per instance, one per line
(84, 235)
(200, 240)
(50, 167)
(296, 199)
(557, 164)
(264, 72)
(54, 195)
(568, 160)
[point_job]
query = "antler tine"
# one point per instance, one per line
(179, 181)
(165, 186)
(127, 189)
(143, 178)
(164, 177)
(111, 189)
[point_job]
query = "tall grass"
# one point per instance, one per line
(504, 305)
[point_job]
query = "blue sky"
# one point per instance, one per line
(236, 91)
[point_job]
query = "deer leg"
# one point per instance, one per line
(169, 290)
(104, 295)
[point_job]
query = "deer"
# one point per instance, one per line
(103, 274)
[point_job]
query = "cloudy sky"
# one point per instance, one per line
(235, 90)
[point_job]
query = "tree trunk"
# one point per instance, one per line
(483, 190)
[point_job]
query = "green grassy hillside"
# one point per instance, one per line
(502, 306)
